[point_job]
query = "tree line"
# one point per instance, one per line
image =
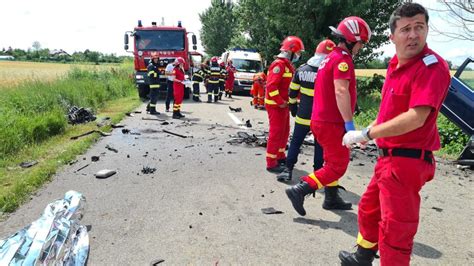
(263, 24)
(38, 54)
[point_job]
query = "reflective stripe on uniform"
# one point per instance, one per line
(267, 101)
(154, 86)
(194, 82)
(302, 121)
(333, 184)
(273, 156)
(309, 92)
(274, 93)
(153, 73)
(292, 100)
(294, 86)
(312, 176)
(287, 75)
(213, 81)
(364, 243)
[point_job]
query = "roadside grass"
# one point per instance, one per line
(16, 183)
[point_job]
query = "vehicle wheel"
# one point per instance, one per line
(143, 91)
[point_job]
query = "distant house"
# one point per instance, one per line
(6, 57)
(57, 53)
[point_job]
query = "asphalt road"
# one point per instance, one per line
(203, 204)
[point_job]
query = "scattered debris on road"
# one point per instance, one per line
(437, 209)
(108, 147)
(103, 134)
(156, 262)
(105, 173)
(117, 125)
(244, 137)
(81, 168)
(271, 210)
(153, 119)
(176, 134)
(248, 124)
(128, 131)
(237, 110)
(95, 158)
(28, 164)
(80, 115)
(56, 238)
(148, 170)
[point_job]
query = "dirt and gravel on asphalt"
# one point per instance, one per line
(181, 193)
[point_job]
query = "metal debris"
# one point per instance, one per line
(105, 173)
(175, 134)
(152, 118)
(148, 170)
(237, 110)
(244, 137)
(271, 210)
(28, 164)
(79, 115)
(56, 238)
(103, 134)
(108, 147)
(81, 168)
(247, 123)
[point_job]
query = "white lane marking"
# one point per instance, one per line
(236, 120)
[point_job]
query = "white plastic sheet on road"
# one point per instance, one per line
(56, 238)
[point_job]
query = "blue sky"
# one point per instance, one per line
(100, 25)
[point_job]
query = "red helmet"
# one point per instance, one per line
(325, 47)
(179, 60)
(214, 59)
(154, 55)
(292, 44)
(353, 29)
(222, 64)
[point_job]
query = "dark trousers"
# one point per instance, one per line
(196, 89)
(299, 133)
(212, 89)
(169, 93)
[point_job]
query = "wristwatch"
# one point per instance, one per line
(366, 133)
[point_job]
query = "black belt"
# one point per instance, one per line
(410, 153)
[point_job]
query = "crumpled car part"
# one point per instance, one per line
(80, 115)
(244, 137)
(56, 238)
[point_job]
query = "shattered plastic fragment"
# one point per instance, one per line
(105, 173)
(271, 210)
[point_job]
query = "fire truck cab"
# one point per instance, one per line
(169, 42)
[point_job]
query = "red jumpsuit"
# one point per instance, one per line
(279, 78)
(327, 124)
(229, 83)
(178, 88)
(389, 208)
(258, 89)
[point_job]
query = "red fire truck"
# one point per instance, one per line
(168, 42)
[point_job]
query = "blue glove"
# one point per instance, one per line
(349, 126)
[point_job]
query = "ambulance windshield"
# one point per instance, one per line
(244, 65)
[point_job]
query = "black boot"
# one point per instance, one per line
(297, 193)
(216, 98)
(180, 114)
(176, 115)
(286, 175)
(332, 200)
(153, 110)
(282, 162)
(276, 169)
(230, 95)
(362, 256)
(148, 107)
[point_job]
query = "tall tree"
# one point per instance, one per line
(269, 22)
(458, 17)
(218, 26)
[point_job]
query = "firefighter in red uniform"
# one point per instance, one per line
(229, 83)
(406, 134)
(258, 90)
(333, 107)
(279, 78)
(178, 87)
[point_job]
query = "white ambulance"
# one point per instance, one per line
(247, 62)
